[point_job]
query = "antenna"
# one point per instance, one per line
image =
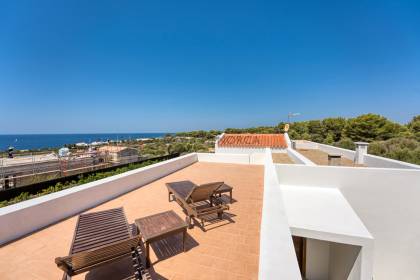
(291, 115)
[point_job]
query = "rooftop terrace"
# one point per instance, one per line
(282, 158)
(229, 247)
(321, 158)
(349, 218)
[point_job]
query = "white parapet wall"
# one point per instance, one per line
(369, 160)
(277, 253)
(253, 158)
(245, 150)
(385, 199)
(305, 144)
(349, 154)
(299, 158)
(376, 161)
(28, 216)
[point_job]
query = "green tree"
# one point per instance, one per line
(346, 143)
(414, 127)
(334, 127)
(329, 139)
(370, 127)
(404, 149)
(316, 130)
(298, 130)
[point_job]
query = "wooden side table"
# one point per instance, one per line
(156, 227)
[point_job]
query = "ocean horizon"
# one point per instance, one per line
(43, 141)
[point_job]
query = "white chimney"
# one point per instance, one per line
(361, 151)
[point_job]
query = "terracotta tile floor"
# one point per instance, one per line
(226, 250)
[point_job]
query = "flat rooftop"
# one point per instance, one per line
(282, 158)
(28, 159)
(229, 247)
(321, 158)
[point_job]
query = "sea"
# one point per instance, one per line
(43, 141)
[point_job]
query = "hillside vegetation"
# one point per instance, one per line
(387, 138)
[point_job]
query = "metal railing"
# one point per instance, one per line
(22, 171)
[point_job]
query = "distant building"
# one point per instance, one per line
(251, 143)
(119, 154)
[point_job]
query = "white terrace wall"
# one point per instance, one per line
(375, 161)
(244, 150)
(298, 157)
(305, 144)
(309, 145)
(277, 253)
(25, 217)
(369, 160)
(386, 200)
(336, 150)
(256, 158)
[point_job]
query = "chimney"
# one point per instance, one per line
(294, 144)
(361, 151)
(334, 159)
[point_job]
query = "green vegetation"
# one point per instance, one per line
(81, 179)
(196, 141)
(386, 138)
(404, 149)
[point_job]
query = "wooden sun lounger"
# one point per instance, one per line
(198, 201)
(101, 238)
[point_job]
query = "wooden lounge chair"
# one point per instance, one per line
(101, 238)
(198, 201)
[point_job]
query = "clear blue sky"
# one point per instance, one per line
(148, 66)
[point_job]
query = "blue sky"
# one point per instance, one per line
(148, 66)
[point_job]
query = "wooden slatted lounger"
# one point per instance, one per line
(197, 201)
(101, 238)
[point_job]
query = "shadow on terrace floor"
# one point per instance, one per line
(172, 246)
(163, 249)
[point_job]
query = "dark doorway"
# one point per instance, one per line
(300, 249)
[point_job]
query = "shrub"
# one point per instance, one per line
(345, 143)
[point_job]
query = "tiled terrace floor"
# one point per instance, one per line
(226, 250)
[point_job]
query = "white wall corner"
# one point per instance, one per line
(367, 257)
(287, 138)
(277, 254)
(299, 158)
(216, 144)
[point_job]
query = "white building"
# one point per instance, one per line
(251, 143)
(119, 154)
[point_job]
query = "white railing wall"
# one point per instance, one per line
(349, 154)
(299, 158)
(369, 160)
(305, 144)
(245, 150)
(253, 158)
(376, 161)
(277, 257)
(28, 216)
